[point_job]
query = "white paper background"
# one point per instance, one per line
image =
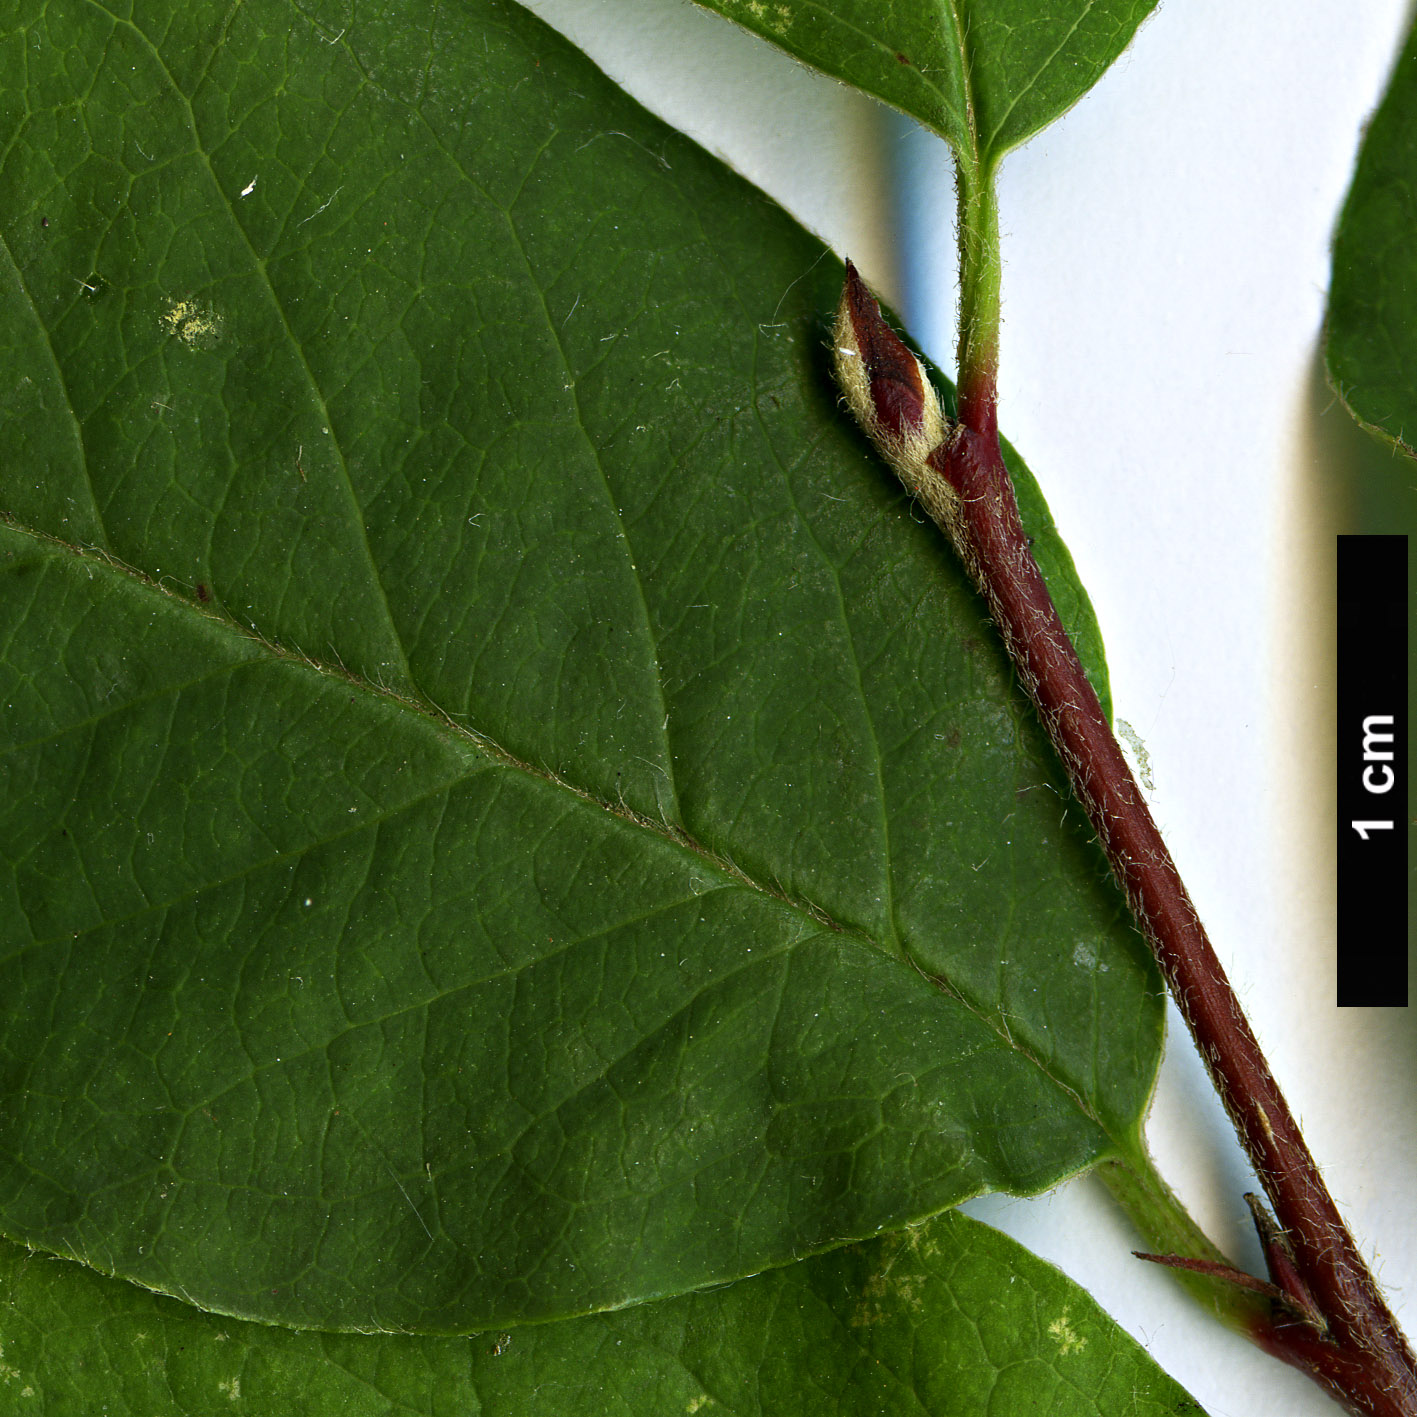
(1165, 262)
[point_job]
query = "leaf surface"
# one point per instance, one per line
(1371, 344)
(504, 812)
(984, 74)
(948, 1320)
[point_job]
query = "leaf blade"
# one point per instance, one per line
(431, 735)
(984, 74)
(607, 1007)
(1368, 331)
(891, 1325)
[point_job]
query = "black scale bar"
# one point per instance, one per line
(1372, 750)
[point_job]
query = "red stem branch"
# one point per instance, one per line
(1361, 1356)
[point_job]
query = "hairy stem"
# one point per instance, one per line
(1358, 1353)
(1321, 1308)
(978, 295)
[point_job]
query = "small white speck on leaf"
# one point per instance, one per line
(1085, 956)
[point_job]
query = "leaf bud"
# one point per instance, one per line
(885, 385)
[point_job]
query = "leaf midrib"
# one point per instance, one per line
(966, 74)
(494, 755)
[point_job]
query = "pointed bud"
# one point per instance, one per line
(885, 384)
(1283, 1269)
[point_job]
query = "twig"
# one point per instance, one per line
(1326, 1315)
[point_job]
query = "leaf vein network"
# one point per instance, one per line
(258, 265)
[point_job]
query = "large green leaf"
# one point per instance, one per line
(1372, 313)
(504, 810)
(950, 1320)
(984, 74)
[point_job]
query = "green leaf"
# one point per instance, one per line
(1371, 344)
(949, 1320)
(504, 811)
(984, 74)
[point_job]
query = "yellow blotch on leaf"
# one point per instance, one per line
(1068, 1339)
(193, 323)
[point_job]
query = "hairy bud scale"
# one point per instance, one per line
(890, 394)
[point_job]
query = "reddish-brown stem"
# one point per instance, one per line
(1326, 1314)
(1359, 1354)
